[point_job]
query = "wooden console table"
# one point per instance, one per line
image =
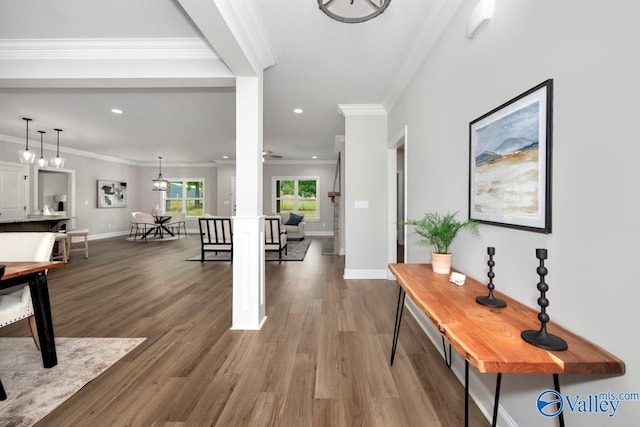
(489, 338)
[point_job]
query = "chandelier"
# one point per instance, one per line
(159, 184)
(353, 11)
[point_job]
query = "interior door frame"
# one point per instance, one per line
(399, 140)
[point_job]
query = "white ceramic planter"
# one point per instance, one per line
(441, 263)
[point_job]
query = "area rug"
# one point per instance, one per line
(33, 391)
(296, 251)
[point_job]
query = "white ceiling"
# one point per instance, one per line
(320, 63)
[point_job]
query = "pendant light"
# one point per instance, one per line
(27, 156)
(57, 161)
(42, 162)
(159, 184)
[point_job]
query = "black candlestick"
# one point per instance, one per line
(542, 338)
(490, 300)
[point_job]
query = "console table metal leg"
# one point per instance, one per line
(396, 329)
(447, 359)
(496, 401)
(466, 393)
(556, 385)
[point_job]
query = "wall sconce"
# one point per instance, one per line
(480, 15)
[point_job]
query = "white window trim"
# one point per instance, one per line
(296, 178)
(163, 203)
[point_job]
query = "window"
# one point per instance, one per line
(296, 194)
(185, 195)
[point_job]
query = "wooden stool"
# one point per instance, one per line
(61, 253)
(80, 232)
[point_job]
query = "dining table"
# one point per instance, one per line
(34, 274)
(160, 220)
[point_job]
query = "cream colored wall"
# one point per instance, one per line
(589, 49)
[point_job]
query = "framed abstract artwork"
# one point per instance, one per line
(510, 162)
(112, 194)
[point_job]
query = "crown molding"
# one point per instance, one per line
(283, 162)
(107, 48)
(246, 19)
(420, 50)
(361, 110)
(91, 155)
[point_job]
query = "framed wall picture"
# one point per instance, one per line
(510, 162)
(112, 194)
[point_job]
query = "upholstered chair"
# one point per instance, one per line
(15, 303)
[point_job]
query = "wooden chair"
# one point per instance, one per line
(80, 232)
(216, 235)
(275, 236)
(60, 253)
(15, 303)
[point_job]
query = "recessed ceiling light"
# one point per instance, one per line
(298, 110)
(225, 157)
(116, 111)
(314, 157)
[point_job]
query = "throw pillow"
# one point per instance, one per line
(294, 219)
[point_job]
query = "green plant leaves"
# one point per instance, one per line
(439, 231)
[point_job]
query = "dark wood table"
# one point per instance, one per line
(489, 338)
(33, 273)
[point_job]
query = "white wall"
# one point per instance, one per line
(365, 193)
(589, 49)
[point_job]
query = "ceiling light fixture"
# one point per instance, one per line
(314, 157)
(42, 162)
(348, 12)
(160, 184)
(27, 156)
(116, 111)
(57, 161)
(298, 110)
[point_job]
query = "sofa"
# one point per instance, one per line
(294, 232)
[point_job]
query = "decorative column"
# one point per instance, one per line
(248, 225)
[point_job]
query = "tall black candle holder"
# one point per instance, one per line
(490, 300)
(542, 338)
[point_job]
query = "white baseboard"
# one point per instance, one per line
(481, 396)
(364, 274)
(107, 235)
(319, 233)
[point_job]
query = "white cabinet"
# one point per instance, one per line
(12, 192)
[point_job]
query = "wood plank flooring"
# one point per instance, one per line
(321, 358)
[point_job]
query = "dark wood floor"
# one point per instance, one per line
(321, 358)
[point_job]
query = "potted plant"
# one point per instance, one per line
(438, 231)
